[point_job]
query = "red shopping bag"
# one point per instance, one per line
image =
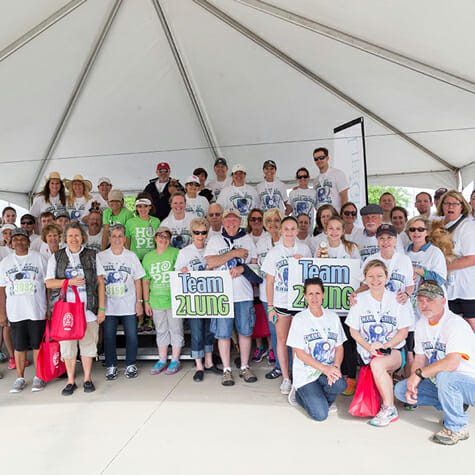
(69, 320)
(261, 327)
(366, 401)
(49, 365)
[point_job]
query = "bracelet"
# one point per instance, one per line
(146, 301)
(269, 310)
(139, 301)
(103, 309)
(424, 275)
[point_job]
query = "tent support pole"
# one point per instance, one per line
(75, 94)
(40, 28)
(191, 89)
(366, 46)
(317, 79)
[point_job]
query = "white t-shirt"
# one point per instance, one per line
(378, 321)
(315, 242)
(24, 280)
(218, 245)
(78, 209)
(307, 241)
(403, 238)
(180, 228)
(212, 233)
(74, 269)
(257, 238)
(451, 335)
(461, 281)
(304, 200)
(318, 337)
(5, 251)
(263, 245)
(276, 263)
(217, 186)
(95, 242)
(272, 195)
(198, 206)
(41, 206)
(354, 231)
(340, 252)
(328, 186)
(368, 244)
(191, 257)
(120, 273)
(243, 198)
(400, 271)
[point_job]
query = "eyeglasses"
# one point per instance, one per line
(214, 215)
(350, 213)
(413, 230)
(301, 177)
(257, 219)
(321, 157)
(202, 233)
(27, 222)
(163, 170)
(164, 236)
(192, 184)
(452, 204)
(275, 220)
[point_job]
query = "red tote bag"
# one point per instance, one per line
(49, 365)
(366, 401)
(69, 320)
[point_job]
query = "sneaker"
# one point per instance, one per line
(131, 371)
(271, 358)
(274, 374)
(333, 409)
(88, 387)
(158, 368)
(173, 367)
(111, 373)
(140, 327)
(247, 375)
(259, 354)
(69, 389)
(11, 363)
(227, 378)
(292, 397)
(38, 384)
(350, 387)
(18, 385)
(147, 325)
(3, 357)
(286, 386)
(410, 407)
(385, 416)
(449, 437)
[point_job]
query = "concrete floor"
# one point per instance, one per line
(169, 424)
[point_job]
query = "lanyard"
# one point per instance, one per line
(74, 272)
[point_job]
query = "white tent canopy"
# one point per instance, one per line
(111, 87)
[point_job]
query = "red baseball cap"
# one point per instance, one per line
(163, 165)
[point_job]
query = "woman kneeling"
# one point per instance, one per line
(317, 337)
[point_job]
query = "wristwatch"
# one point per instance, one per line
(419, 373)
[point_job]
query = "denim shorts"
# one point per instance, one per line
(244, 317)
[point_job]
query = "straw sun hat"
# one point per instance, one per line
(69, 183)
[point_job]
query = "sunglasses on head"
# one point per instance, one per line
(256, 218)
(301, 177)
(214, 215)
(27, 222)
(322, 157)
(350, 213)
(413, 230)
(198, 233)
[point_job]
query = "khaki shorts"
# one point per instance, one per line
(87, 345)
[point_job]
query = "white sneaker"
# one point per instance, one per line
(333, 409)
(18, 385)
(286, 386)
(292, 397)
(38, 384)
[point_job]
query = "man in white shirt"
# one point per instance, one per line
(215, 219)
(331, 184)
(94, 231)
(222, 179)
(239, 195)
(443, 372)
(272, 193)
(423, 204)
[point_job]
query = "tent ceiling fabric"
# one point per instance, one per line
(134, 109)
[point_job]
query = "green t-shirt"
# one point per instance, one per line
(141, 234)
(157, 269)
(122, 218)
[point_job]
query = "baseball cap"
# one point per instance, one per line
(238, 168)
(221, 161)
(104, 179)
(192, 179)
(386, 229)
(231, 211)
(29, 217)
(20, 232)
(115, 195)
(371, 209)
(430, 289)
(269, 163)
(439, 192)
(7, 226)
(163, 165)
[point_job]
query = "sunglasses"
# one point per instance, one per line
(301, 177)
(413, 230)
(350, 213)
(27, 222)
(192, 184)
(257, 219)
(198, 233)
(322, 157)
(214, 215)
(163, 170)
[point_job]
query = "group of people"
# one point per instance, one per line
(414, 310)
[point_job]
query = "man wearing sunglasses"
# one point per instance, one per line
(331, 184)
(158, 190)
(215, 219)
(28, 223)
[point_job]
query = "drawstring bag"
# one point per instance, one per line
(366, 401)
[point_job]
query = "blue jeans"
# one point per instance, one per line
(448, 395)
(201, 338)
(129, 323)
(244, 318)
(316, 397)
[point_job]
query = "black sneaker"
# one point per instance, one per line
(274, 374)
(69, 389)
(214, 369)
(89, 387)
(198, 376)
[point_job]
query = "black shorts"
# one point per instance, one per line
(463, 307)
(283, 312)
(27, 334)
(410, 342)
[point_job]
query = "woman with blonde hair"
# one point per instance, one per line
(79, 194)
